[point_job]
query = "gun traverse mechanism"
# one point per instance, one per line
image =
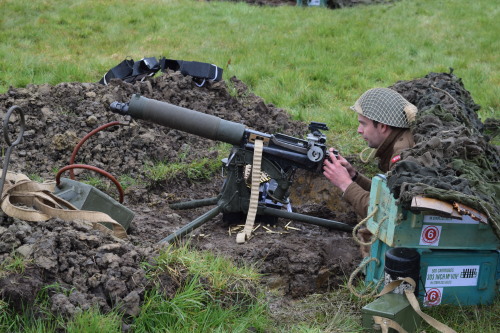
(281, 156)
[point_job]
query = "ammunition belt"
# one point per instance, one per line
(254, 193)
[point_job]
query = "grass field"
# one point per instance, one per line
(313, 62)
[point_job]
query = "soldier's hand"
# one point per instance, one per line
(336, 173)
(346, 164)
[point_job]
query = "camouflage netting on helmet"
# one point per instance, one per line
(452, 160)
(386, 106)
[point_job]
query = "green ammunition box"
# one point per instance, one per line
(394, 307)
(398, 227)
(457, 277)
(87, 197)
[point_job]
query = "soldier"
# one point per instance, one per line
(384, 118)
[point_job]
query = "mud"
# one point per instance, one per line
(79, 267)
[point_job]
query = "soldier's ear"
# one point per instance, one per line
(384, 128)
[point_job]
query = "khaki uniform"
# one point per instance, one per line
(358, 193)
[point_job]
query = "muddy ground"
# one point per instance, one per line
(101, 269)
(89, 267)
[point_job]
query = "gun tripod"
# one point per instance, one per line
(235, 196)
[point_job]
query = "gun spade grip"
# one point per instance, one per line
(187, 120)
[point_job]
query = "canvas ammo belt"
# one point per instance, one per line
(254, 193)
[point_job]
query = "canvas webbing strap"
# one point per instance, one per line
(386, 323)
(31, 201)
(254, 193)
(414, 303)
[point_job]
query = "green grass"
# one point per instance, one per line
(195, 170)
(216, 295)
(193, 310)
(336, 311)
(127, 181)
(92, 321)
(482, 319)
(314, 62)
(16, 263)
(223, 275)
(186, 166)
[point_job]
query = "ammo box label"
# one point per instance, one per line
(430, 235)
(451, 276)
(433, 296)
(466, 219)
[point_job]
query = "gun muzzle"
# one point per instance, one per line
(187, 120)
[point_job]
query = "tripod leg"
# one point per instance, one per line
(198, 222)
(305, 218)
(195, 203)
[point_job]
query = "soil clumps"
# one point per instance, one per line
(80, 267)
(92, 268)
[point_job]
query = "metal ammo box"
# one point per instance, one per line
(459, 257)
(87, 197)
(394, 307)
(448, 276)
(425, 227)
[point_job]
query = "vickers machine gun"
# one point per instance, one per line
(277, 155)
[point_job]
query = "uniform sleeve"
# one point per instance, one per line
(364, 182)
(358, 198)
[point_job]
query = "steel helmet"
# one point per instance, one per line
(386, 106)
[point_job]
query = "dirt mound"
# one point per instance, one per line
(80, 267)
(59, 116)
(83, 267)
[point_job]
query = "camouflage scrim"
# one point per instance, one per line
(386, 106)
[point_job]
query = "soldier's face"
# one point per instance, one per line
(374, 136)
